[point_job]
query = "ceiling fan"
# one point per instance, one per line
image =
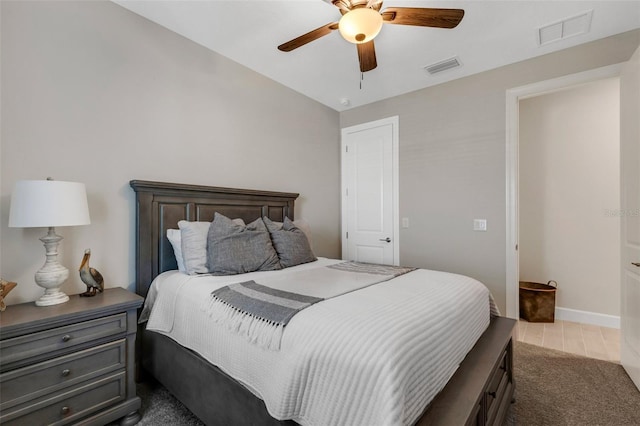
(362, 20)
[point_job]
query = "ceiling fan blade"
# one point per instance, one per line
(423, 17)
(367, 56)
(308, 37)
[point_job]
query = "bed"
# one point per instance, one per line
(479, 392)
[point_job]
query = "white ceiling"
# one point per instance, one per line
(491, 34)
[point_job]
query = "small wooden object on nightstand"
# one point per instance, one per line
(70, 363)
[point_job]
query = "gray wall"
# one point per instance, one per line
(452, 159)
(94, 93)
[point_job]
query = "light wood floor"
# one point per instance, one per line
(582, 339)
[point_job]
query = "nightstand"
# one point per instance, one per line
(71, 363)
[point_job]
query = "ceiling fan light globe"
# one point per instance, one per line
(360, 25)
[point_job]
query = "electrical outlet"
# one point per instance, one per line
(479, 224)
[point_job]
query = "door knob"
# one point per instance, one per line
(636, 264)
(388, 240)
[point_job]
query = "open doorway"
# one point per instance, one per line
(563, 191)
(569, 198)
(514, 96)
(569, 221)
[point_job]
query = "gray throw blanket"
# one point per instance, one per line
(260, 311)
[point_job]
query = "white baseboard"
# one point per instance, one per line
(585, 317)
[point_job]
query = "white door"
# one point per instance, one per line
(630, 215)
(369, 188)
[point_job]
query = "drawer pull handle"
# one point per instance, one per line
(66, 372)
(66, 338)
(65, 410)
(492, 394)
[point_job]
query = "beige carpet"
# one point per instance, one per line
(557, 388)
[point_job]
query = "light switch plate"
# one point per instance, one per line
(405, 222)
(479, 224)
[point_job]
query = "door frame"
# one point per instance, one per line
(513, 98)
(395, 164)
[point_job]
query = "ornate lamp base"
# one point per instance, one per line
(53, 298)
(52, 274)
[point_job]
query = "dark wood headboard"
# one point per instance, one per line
(159, 206)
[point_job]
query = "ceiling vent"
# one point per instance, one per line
(447, 64)
(568, 27)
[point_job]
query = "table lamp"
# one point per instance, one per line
(49, 203)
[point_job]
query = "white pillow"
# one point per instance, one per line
(194, 245)
(173, 235)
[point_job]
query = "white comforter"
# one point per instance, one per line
(376, 356)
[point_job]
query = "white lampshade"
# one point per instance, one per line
(360, 25)
(48, 203)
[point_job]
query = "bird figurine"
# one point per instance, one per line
(5, 288)
(91, 277)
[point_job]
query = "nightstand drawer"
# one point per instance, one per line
(69, 406)
(45, 342)
(24, 384)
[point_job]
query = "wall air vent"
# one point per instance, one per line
(568, 27)
(447, 64)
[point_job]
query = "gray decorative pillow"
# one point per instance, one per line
(303, 225)
(290, 242)
(193, 242)
(237, 249)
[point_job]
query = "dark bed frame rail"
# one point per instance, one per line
(479, 393)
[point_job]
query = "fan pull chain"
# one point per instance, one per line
(361, 78)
